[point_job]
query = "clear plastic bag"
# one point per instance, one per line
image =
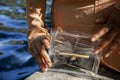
(73, 53)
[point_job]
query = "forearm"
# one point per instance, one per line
(35, 11)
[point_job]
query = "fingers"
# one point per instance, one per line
(41, 63)
(113, 46)
(46, 62)
(45, 56)
(100, 33)
(105, 41)
(38, 58)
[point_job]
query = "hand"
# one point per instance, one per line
(38, 49)
(110, 32)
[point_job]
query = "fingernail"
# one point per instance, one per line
(99, 20)
(46, 69)
(49, 64)
(48, 46)
(97, 51)
(108, 53)
(93, 39)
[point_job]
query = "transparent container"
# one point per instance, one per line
(75, 50)
(73, 53)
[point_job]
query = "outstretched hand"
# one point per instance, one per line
(110, 32)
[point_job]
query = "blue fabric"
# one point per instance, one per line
(18, 73)
(16, 63)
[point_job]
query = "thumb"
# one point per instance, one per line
(46, 43)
